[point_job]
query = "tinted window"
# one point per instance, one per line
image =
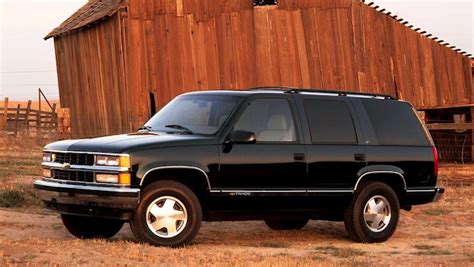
(269, 119)
(395, 123)
(330, 122)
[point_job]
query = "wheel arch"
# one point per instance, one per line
(193, 177)
(191, 169)
(381, 174)
(390, 175)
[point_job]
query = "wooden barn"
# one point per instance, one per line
(119, 59)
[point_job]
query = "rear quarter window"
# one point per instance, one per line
(330, 122)
(395, 123)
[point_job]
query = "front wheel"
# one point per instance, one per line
(374, 213)
(169, 214)
(90, 227)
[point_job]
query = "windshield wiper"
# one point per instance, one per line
(180, 127)
(145, 128)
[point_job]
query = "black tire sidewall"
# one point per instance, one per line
(178, 191)
(90, 227)
(360, 227)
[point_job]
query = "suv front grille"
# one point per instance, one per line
(75, 176)
(74, 158)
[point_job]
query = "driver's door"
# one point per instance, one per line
(276, 163)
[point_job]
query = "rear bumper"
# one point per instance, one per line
(88, 200)
(420, 196)
(438, 194)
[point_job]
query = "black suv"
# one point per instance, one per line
(280, 155)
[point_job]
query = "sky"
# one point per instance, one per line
(27, 62)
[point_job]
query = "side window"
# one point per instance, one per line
(270, 119)
(395, 123)
(330, 122)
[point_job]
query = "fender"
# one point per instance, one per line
(384, 169)
(143, 172)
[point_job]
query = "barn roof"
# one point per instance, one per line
(91, 12)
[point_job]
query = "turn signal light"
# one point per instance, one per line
(125, 179)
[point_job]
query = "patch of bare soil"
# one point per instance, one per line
(439, 233)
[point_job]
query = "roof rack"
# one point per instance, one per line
(293, 90)
(272, 88)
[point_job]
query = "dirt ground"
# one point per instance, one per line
(440, 233)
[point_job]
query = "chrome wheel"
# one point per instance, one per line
(377, 213)
(166, 217)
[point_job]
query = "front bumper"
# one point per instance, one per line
(88, 200)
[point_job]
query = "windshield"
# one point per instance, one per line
(193, 114)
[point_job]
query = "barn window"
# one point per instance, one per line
(264, 2)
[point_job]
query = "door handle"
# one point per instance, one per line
(359, 157)
(299, 157)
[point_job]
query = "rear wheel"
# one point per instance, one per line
(90, 227)
(169, 214)
(374, 213)
(287, 224)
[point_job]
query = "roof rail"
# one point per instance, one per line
(341, 93)
(293, 90)
(272, 88)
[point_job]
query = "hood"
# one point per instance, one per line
(127, 143)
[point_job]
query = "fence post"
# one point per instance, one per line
(472, 134)
(54, 118)
(27, 117)
(38, 115)
(17, 118)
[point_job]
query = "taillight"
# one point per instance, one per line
(436, 160)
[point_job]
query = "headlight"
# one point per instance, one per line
(47, 157)
(119, 161)
(122, 178)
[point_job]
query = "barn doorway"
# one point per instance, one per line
(152, 104)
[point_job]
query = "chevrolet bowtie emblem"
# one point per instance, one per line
(66, 166)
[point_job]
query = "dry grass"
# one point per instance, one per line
(441, 233)
(340, 252)
(20, 160)
(430, 250)
(20, 157)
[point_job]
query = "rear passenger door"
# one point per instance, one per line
(332, 135)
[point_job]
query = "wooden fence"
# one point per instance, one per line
(32, 122)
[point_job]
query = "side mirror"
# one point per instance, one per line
(243, 137)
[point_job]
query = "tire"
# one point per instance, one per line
(373, 214)
(181, 215)
(90, 227)
(286, 224)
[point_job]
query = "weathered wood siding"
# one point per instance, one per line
(175, 46)
(93, 80)
(178, 46)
